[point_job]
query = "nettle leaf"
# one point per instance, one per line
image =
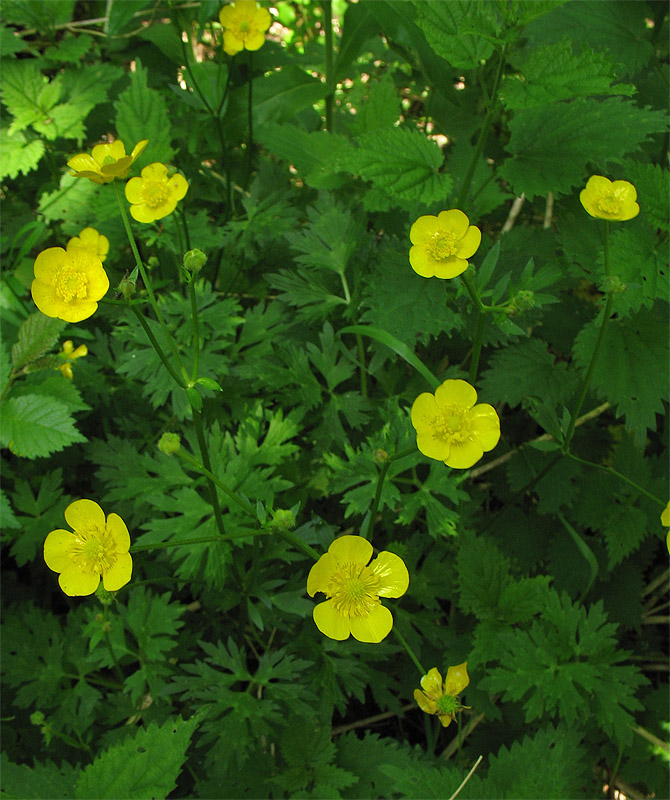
(10, 41)
(567, 663)
(515, 773)
(552, 145)
(651, 182)
(141, 113)
(631, 371)
(19, 153)
(401, 161)
(462, 32)
(37, 335)
(36, 425)
(555, 72)
(70, 48)
(416, 780)
(144, 765)
(21, 782)
(71, 202)
(377, 105)
(27, 93)
(483, 574)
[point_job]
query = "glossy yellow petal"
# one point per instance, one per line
(445, 719)
(464, 454)
(393, 574)
(86, 262)
(453, 221)
(431, 683)
(485, 425)
(178, 185)
(455, 393)
(254, 41)
(57, 548)
(261, 19)
(330, 622)
(321, 573)
(85, 514)
(154, 172)
(372, 627)
(456, 679)
(432, 446)
(76, 583)
(425, 703)
(142, 213)
(231, 43)
(165, 209)
(118, 169)
(424, 410)
(665, 516)
(139, 149)
(117, 529)
(119, 574)
(351, 550)
(117, 150)
(48, 263)
(422, 230)
(133, 190)
(422, 262)
(77, 313)
(45, 298)
(83, 162)
(450, 267)
(227, 15)
(469, 244)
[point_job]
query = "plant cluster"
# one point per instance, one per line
(364, 302)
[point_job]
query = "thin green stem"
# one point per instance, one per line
(97, 681)
(241, 534)
(477, 347)
(207, 472)
(108, 640)
(250, 108)
(472, 291)
(483, 134)
(204, 454)
(180, 242)
(362, 367)
(328, 27)
(612, 471)
(298, 543)
(409, 650)
(184, 222)
(154, 343)
(596, 350)
(196, 329)
(378, 494)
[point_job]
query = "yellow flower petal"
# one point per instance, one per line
(456, 679)
(47, 301)
(432, 446)
(422, 262)
(330, 622)
(464, 454)
(48, 263)
(450, 267)
(425, 703)
(119, 573)
(133, 190)
(393, 575)
(469, 244)
(423, 229)
(254, 41)
(76, 583)
(351, 549)
(456, 393)
(665, 516)
(116, 527)
(83, 514)
(178, 186)
(321, 573)
(431, 683)
(57, 548)
(424, 410)
(231, 43)
(453, 221)
(84, 162)
(445, 719)
(373, 627)
(154, 172)
(139, 149)
(485, 426)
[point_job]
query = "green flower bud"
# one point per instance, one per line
(194, 260)
(283, 519)
(380, 456)
(169, 443)
(126, 287)
(37, 718)
(522, 301)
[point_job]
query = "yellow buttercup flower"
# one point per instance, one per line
(69, 356)
(68, 283)
(606, 200)
(451, 428)
(91, 240)
(443, 244)
(244, 23)
(98, 548)
(434, 697)
(105, 162)
(353, 588)
(154, 195)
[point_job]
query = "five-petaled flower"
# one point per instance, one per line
(69, 355)
(244, 23)
(443, 244)
(98, 548)
(155, 195)
(439, 698)
(451, 428)
(68, 283)
(353, 587)
(105, 162)
(605, 199)
(90, 239)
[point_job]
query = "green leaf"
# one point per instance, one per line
(358, 27)
(10, 41)
(483, 574)
(401, 162)
(19, 154)
(143, 765)
(141, 113)
(36, 336)
(26, 93)
(70, 49)
(552, 145)
(7, 518)
(70, 202)
(632, 370)
(463, 32)
(651, 182)
(21, 782)
(35, 425)
(554, 72)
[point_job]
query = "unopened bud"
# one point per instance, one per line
(169, 443)
(126, 287)
(283, 519)
(194, 260)
(522, 301)
(380, 456)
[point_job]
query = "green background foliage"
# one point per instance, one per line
(544, 566)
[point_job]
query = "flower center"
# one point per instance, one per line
(93, 551)
(154, 193)
(71, 285)
(609, 204)
(244, 26)
(447, 704)
(452, 424)
(355, 590)
(108, 160)
(442, 245)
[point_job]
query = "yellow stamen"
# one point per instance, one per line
(71, 285)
